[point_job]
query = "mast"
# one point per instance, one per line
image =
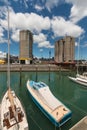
(8, 77)
(78, 56)
(8, 71)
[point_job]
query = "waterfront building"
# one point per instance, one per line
(65, 49)
(26, 41)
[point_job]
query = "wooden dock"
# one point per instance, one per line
(0, 117)
(81, 125)
(32, 67)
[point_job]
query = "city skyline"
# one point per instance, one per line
(48, 20)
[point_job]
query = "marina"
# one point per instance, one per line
(39, 59)
(71, 94)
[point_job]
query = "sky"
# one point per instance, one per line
(48, 20)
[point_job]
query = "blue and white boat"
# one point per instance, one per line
(52, 108)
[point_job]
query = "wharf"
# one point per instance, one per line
(81, 125)
(32, 67)
(0, 116)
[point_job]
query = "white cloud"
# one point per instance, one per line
(45, 44)
(61, 27)
(2, 54)
(78, 10)
(32, 21)
(39, 8)
(41, 40)
(18, 21)
(2, 39)
(1, 31)
(15, 35)
(46, 4)
(51, 3)
(36, 24)
(76, 43)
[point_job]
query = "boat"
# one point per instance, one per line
(12, 114)
(52, 108)
(80, 78)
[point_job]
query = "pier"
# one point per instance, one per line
(81, 125)
(0, 117)
(32, 67)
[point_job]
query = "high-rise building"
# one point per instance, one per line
(65, 49)
(26, 41)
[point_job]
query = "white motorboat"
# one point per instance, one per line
(53, 109)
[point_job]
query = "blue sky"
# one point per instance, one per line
(48, 20)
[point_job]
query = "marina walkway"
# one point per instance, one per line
(0, 117)
(32, 67)
(81, 125)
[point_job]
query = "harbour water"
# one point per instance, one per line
(73, 95)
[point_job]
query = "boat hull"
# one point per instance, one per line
(6, 113)
(78, 81)
(48, 115)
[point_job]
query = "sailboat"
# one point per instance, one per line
(80, 78)
(12, 114)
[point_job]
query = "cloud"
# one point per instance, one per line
(32, 21)
(78, 10)
(1, 31)
(61, 27)
(41, 40)
(18, 21)
(15, 35)
(36, 24)
(51, 4)
(46, 4)
(45, 44)
(76, 43)
(39, 8)
(2, 38)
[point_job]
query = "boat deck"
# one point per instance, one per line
(0, 117)
(60, 110)
(81, 125)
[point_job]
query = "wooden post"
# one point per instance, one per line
(36, 73)
(20, 76)
(49, 72)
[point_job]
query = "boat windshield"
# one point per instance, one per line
(39, 85)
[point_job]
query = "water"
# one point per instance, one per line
(71, 94)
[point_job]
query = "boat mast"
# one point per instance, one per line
(78, 56)
(8, 71)
(8, 75)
